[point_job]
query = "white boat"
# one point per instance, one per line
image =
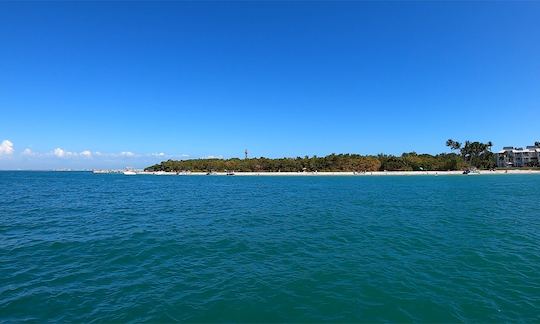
(129, 172)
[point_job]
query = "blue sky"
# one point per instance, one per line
(115, 84)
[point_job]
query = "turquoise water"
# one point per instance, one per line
(84, 247)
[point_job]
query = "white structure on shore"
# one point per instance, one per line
(511, 156)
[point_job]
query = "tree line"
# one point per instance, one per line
(469, 155)
(329, 163)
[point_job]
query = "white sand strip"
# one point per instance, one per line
(375, 173)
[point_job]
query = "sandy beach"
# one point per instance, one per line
(375, 173)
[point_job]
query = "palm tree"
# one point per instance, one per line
(453, 144)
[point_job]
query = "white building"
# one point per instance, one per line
(519, 157)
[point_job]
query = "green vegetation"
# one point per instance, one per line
(471, 154)
(474, 154)
(333, 162)
(421, 162)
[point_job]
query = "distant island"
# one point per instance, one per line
(471, 155)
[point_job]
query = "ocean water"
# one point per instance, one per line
(83, 247)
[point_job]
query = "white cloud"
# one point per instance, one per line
(86, 154)
(28, 152)
(58, 152)
(61, 153)
(213, 157)
(6, 148)
(127, 154)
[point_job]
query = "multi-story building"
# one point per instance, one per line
(519, 157)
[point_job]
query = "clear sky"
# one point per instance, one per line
(115, 84)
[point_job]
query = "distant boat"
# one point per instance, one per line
(230, 173)
(211, 173)
(129, 172)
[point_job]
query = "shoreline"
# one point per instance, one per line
(315, 174)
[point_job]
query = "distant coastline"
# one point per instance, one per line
(322, 174)
(468, 156)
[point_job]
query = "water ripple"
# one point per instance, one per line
(89, 248)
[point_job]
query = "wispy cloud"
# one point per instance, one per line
(61, 157)
(6, 148)
(28, 152)
(61, 153)
(127, 154)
